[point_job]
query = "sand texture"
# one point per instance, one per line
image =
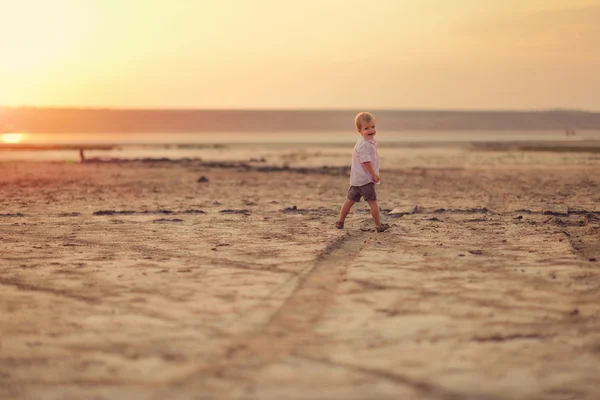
(133, 280)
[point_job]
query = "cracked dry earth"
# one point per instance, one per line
(134, 281)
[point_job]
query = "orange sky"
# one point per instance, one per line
(481, 54)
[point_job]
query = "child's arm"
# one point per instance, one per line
(369, 168)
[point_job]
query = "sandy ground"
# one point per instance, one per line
(135, 281)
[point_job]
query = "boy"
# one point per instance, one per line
(364, 173)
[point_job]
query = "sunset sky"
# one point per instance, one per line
(431, 54)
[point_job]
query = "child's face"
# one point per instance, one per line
(367, 130)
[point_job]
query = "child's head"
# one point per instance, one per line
(365, 124)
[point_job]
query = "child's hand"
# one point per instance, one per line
(376, 178)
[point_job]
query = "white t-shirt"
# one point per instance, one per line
(364, 151)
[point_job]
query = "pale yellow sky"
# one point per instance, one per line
(459, 54)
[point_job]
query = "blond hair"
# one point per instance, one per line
(363, 118)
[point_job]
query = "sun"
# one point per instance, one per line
(12, 137)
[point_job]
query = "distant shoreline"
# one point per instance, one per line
(586, 146)
(97, 120)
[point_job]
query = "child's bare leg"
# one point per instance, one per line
(375, 212)
(344, 212)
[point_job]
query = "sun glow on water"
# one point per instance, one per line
(12, 137)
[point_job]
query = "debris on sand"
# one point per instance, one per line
(114, 212)
(71, 214)
(194, 212)
(574, 313)
(483, 210)
(318, 211)
(165, 220)
(131, 212)
(202, 179)
(404, 210)
(228, 211)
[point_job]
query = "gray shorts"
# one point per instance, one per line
(365, 191)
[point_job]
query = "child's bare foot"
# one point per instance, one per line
(383, 228)
(339, 225)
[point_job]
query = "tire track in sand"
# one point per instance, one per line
(291, 324)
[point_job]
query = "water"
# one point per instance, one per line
(301, 137)
(175, 145)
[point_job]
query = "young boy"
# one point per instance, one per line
(364, 173)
